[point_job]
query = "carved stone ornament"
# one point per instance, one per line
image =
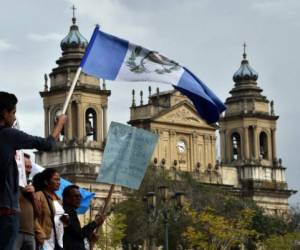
(182, 115)
(172, 132)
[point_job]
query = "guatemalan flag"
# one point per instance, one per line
(112, 58)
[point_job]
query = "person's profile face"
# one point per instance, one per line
(54, 182)
(74, 198)
(28, 166)
(10, 117)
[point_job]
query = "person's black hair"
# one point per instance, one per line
(67, 190)
(26, 155)
(37, 182)
(41, 180)
(7, 102)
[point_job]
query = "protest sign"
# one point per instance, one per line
(20, 161)
(126, 156)
(21, 168)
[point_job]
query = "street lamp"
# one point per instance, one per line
(163, 191)
(161, 206)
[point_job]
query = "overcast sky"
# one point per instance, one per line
(206, 36)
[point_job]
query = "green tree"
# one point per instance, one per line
(227, 220)
(288, 241)
(112, 232)
(199, 196)
(212, 231)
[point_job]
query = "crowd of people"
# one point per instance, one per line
(34, 217)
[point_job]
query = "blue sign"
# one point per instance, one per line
(126, 156)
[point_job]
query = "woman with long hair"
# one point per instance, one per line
(49, 226)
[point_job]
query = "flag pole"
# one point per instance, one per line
(107, 200)
(71, 90)
(103, 213)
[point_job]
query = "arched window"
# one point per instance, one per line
(236, 146)
(263, 145)
(91, 124)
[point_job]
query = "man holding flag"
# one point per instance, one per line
(11, 140)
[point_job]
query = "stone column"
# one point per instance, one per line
(269, 145)
(104, 111)
(80, 121)
(246, 143)
(99, 124)
(255, 142)
(193, 160)
(228, 146)
(172, 147)
(213, 149)
(68, 125)
(207, 150)
(274, 151)
(159, 145)
(241, 148)
(222, 145)
(46, 121)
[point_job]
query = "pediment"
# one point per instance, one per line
(183, 114)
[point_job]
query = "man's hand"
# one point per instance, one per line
(65, 218)
(29, 189)
(99, 219)
(61, 120)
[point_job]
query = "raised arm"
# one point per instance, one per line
(61, 121)
(21, 140)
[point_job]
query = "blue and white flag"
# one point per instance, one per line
(112, 58)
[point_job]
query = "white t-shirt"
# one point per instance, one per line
(50, 243)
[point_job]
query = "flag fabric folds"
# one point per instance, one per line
(86, 195)
(112, 58)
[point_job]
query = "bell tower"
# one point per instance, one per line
(248, 141)
(80, 149)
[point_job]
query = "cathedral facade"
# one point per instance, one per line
(248, 159)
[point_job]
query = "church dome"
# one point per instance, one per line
(245, 72)
(74, 39)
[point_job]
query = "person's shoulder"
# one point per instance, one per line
(8, 130)
(39, 195)
(12, 132)
(8, 134)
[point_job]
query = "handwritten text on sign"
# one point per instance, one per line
(126, 156)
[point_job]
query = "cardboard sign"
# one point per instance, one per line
(126, 156)
(21, 168)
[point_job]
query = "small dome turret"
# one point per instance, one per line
(74, 39)
(245, 72)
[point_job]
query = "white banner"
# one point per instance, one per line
(21, 167)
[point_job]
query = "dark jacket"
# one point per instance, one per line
(11, 140)
(74, 235)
